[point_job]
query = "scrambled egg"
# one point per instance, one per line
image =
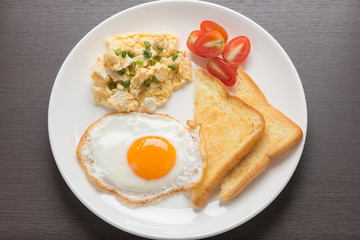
(140, 71)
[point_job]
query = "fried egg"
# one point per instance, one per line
(140, 157)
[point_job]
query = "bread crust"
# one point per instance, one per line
(83, 141)
(215, 175)
(269, 146)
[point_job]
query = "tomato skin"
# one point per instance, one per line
(191, 40)
(208, 26)
(236, 51)
(210, 44)
(222, 70)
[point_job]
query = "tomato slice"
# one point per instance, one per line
(210, 44)
(236, 51)
(220, 69)
(191, 40)
(208, 26)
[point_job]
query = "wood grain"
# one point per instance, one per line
(321, 200)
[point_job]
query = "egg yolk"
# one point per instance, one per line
(151, 157)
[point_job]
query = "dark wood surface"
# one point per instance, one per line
(321, 200)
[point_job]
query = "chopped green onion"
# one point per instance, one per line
(178, 51)
(152, 62)
(131, 55)
(157, 57)
(140, 62)
(133, 64)
(172, 67)
(121, 72)
(118, 51)
(147, 54)
(160, 47)
(147, 45)
(123, 54)
(112, 84)
(155, 79)
(146, 84)
(174, 56)
(126, 84)
(131, 73)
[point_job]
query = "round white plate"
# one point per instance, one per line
(71, 111)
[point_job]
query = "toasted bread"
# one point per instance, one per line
(230, 128)
(280, 134)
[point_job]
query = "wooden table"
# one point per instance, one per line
(321, 200)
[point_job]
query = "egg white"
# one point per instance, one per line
(109, 140)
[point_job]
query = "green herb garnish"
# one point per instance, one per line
(146, 84)
(140, 62)
(121, 72)
(123, 54)
(155, 79)
(111, 84)
(131, 73)
(147, 54)
(157, 57)
(118, 51)
(152, 62)
(159, 47)
(126, 84)
(130, 54)
(147, 45)
(174, 56)
(172, 67)
(133, 64)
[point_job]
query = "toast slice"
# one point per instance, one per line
(280, 134)
(230, 128)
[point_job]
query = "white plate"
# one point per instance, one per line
(71, 111)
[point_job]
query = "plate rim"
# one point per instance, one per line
(152, 235)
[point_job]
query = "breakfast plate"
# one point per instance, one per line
(71, 111)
